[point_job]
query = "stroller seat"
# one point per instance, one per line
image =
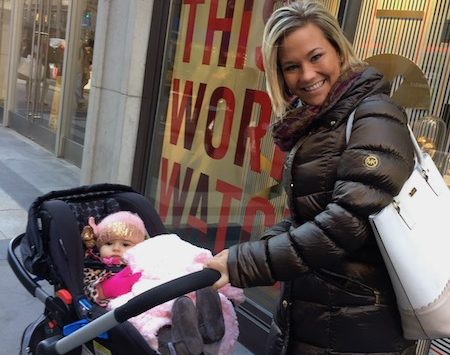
(52, 249)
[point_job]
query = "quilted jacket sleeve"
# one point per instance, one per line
(278, 228)
(372, 169)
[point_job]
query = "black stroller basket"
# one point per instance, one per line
(52, 250)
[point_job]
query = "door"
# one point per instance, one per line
(39, 70)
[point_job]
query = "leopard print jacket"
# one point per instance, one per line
(95, 272)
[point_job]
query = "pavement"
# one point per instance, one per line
(26, 171)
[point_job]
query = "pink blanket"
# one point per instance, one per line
(164, 258)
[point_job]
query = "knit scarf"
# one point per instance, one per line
(294, 124)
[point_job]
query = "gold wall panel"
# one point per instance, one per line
(418, 15)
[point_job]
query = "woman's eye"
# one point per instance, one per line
(289, 67)
(316, 57)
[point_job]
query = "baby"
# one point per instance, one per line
(106, 275)
(191, 328)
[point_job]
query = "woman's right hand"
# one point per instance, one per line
(219, 263)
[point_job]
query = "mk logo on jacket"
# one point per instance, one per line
(371, 161)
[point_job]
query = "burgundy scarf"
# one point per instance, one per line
(293, 125)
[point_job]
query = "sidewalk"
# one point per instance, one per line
(26, 171)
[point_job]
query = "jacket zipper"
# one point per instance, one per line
(375, 292)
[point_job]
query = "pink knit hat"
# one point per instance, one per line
(121, 225)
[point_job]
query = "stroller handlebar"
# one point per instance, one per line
(166, 292)
(19, 270)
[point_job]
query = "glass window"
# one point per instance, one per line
(214, 171)
(215, 177)
(53, 115)
(82, 71)
(5, 30)
(40, 66)
(408, 42)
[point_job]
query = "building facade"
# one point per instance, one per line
(168, 96)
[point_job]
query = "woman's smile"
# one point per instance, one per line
(315, 86)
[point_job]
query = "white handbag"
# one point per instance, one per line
(413, 234)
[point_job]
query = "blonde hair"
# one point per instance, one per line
(284, 21)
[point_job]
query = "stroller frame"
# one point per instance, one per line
(48, 239)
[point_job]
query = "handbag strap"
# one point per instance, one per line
(348, 128)
(417, 151)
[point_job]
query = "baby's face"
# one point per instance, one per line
(115, 248)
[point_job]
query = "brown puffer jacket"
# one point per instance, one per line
(337, 297)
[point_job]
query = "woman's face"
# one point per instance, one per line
(309, 63)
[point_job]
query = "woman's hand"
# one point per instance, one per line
(219, 263)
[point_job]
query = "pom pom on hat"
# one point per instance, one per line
(121, 225)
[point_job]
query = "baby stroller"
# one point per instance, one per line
(52, 250)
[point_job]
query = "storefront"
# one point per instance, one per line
(205, 156)
(174, 102)
(47, 48)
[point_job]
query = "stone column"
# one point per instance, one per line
(120, 51)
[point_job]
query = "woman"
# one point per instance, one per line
(336, 296)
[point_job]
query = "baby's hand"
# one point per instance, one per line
(120, 283)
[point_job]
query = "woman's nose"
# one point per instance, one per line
(308, 73)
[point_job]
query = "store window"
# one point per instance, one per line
(409, 42)
(212, 168)
(214, 172)
(217, 180)
(5, 30)
(39, 68)
(78, 79)
(52, 73)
